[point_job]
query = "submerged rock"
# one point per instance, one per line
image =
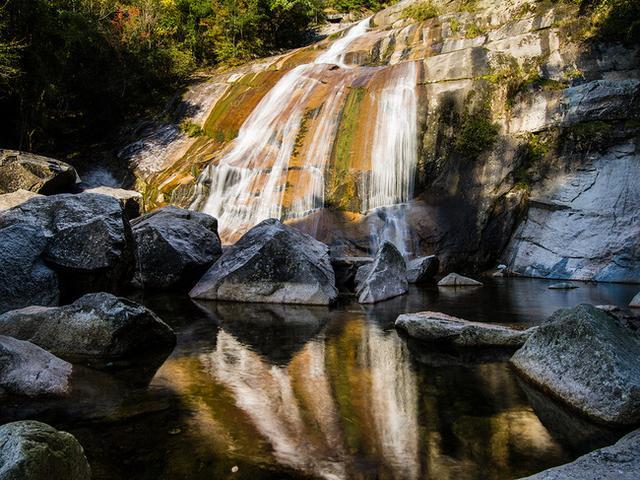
(26, 369)
(619, 461)
(36, 451)
(271, 263)
(26, 279)
(563, 286)
(385, 278)
(13, 199)
(86, 239)
(131, 201)
(98, 324)
(175, 247)
(455, 280)
(422, 269)
(441, 328)
(635, 301)
(26, 171)
(586, 358)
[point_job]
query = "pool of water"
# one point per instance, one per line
(269, 391)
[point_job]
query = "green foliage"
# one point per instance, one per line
(191, 129)
(454, 24)
(345, 6)
(612, 20)
(474, 30)
(477, 134)
(421, 11)
(588, 136)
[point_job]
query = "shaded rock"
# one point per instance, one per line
(36, 451)
(26, 369)
(271, 263)
(455, 280)
(97, 324)
(13, 199)
(586, 358)
(441, 328)
(346, 268)
(385, 278)
(26, 171)
(635, 301)
(88, 240)
(619, 461)
(131, 201)
(563, 286)
(26, 279)
(175, 247)
(422, 269)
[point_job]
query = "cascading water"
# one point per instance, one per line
(394, 159)
(247, 185)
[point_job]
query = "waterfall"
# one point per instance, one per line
(394, 158)
(247, 184)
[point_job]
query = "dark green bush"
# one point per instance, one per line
(477, 134)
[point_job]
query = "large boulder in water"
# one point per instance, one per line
(175, 247)
(385, 278)
(95, 325)
(422, 269)
(36, 451)
(271, 263)
(26, 279)
(26, 369)
(619, 461)
(586, 358)
(26, 171)
(455, 280)
(88, 240)
(438, 327)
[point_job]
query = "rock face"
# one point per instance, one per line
(271, 263)
(26, 279)
(440, 328)
(422, 269)
(13, 199)
(175, 247)
(131, 200)
(21, 170)
(604, 384)
(385, 278)
(85, 239)
(26, 369)
(98, 324)
(35, 451)
(455, 280)
(619, 461)
(635, 301)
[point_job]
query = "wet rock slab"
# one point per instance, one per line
(589, 360)
(438, 327)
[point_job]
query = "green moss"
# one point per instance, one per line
(477, 134)
(611, 20)
(469, 6)
(474, 30)
(587, 136)
(191, 129)
(454, 24)
(421, 11)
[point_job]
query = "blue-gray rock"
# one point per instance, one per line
(271, 263)
(422, 269)
(95, 325)
(563, 286)
(26, 171)
(175, 247)
(619, 461)
(455, 280)
(635, 301)
(587, 359)
(26, 369)
(384, 278)
(32, 450)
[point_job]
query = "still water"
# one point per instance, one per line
(268, 391)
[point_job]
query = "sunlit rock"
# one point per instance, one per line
(438, 327)
(271, 263)
(36, 451)
(635, 301)
(96, 325)
(455, 280)
(605, 383)
(26, 171)
(174, 247)
(384, 278)
(131, 200)
(619, 461)
(13, 199)
(26, 369)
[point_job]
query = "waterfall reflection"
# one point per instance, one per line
(337, 396)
